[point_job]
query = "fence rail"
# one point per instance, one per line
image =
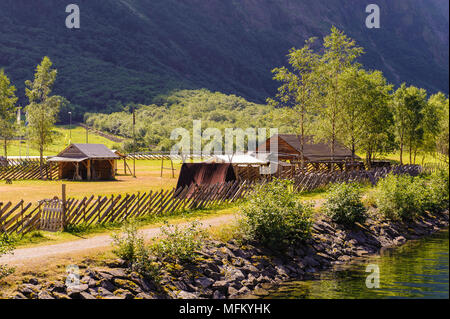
(23, 218)
(27, 169)
(92, 210)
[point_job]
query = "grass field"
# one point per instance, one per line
(147, 179)
(61, 141)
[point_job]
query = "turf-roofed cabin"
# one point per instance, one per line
(91, 162)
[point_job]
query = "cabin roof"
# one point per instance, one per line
(81, 152)
(314, 151)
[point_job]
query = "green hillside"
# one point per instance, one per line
(61, 141)
(131, 51)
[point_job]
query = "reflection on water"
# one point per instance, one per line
(418, 269)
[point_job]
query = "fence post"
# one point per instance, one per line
(63, 190)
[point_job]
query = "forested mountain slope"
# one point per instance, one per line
(133, 50)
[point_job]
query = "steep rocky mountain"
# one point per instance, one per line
(134, 50)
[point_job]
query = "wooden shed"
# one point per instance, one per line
(289, 148)
(86, 162)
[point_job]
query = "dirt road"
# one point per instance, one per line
(25, 256)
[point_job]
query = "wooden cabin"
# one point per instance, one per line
(317, 155)
(91, 162)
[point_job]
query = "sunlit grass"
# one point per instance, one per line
(61, 140)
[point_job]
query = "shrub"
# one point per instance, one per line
(6, 247)
(405, 197)
(398, 197)
(435, 195)
(344, 206)
(274, 216)
(179, 244)
(130, 247)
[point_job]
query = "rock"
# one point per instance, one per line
(43, 294)
(33, 281)
(124, 294)
(311, 261)
(186, 295)
(86, 295)
(113, 273)
(74, 291)
(399, 240)
(57, 286)
(218, 295)
(283, 271)
(102, 292)
(204, 282)
(144, 295)
(127, 285)
(232, 291)
(19, 295)
(58, 295)
(244, 291)
(344, 258)
(106, 284)
(221, 286)
(29, 290)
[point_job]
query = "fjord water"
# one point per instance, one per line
(419, 269)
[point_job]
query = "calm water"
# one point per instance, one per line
(418, 269)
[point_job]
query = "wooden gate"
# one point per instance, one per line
(52, 215)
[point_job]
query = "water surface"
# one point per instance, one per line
(418, 269)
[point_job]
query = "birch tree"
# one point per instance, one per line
(340, 53)
(8, 101)
(43, 108)
(298, 89)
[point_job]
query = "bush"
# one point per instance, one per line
(179, 244)
(6, 247)
(131, 248)
(274, 216)
(396, 197)
(405, 197)
(435, 195)
(344, 206)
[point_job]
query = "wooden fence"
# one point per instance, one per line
(27, 169)
(92, 210)
(48, 214)
(312, 180)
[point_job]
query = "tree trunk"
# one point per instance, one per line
(41, 161)
(5, 146)
(401, 150)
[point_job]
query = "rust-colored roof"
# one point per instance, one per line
(205, 174)
(316, 151)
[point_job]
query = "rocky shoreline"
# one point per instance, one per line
(227, 270)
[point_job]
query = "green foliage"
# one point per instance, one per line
(396, 197)
(130, 247)
(404, 197)
(8, 100)
(179, 244)
(274, 216)
(43, 108)
(435, 192)
(343, 204)
(154, 123)
(6, 247)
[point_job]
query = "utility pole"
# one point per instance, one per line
(19, 120)
(70, 127)
(134, 143)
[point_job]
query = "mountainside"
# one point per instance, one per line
(133, 50)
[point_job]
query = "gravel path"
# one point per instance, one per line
(25, 255)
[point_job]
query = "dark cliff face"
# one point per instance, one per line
(132, 50)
